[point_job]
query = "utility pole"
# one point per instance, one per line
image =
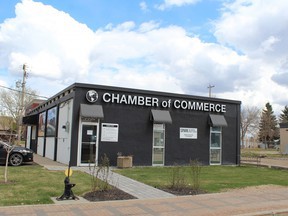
(210, 87)
(21, 110)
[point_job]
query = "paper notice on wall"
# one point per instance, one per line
(188, 133)
(89, 132)
(109, 132)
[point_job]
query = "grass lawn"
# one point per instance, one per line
(256, 152)
(212, 178)
(33, 184)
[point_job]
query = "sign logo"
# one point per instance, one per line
(92, 96)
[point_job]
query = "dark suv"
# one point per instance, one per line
(18, 155)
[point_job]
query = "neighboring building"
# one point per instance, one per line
(27, 134)
(83, 122)
(284, 138)
(7, 133)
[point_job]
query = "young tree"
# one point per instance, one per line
(250, 117)
(283, 118)
(8, 151)
(268, 130)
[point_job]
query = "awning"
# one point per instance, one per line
(91, 111)
(30, 120)
(161, 116)
(217, 120)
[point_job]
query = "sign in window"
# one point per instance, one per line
(188, 133)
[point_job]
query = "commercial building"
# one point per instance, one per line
(84, 122)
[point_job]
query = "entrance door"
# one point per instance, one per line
(158, 145)
(89, 144)
(215, 145)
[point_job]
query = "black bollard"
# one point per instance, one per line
(68, 193)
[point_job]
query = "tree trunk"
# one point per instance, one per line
(6, 168)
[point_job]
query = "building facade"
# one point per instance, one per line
(84, 122)
(284, 138)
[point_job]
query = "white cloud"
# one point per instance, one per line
(53, 43)
(175, 3)
(61, 51)
(143, 6)
(257, 28)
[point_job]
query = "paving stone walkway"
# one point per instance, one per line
(135, 188)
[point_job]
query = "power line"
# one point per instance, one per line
(21, 92)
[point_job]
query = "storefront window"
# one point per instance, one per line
(215, 145)
(158, 144)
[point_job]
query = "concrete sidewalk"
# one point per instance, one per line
(263, 200)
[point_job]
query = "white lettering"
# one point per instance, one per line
(212, 107)
(176, 104)
(199, 106)
(132, 100)
(154, 102)
(148, 101)
(217, 107)
(223, 108)
(206, 107)
(140, 100)
(106, 97)
(115, 98)
(123, 99)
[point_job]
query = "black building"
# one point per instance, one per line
(84, 121)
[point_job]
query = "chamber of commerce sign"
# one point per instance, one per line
(139, 100)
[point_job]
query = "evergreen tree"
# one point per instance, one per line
(268, 130)
(283, 118)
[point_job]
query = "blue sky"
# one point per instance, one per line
(195, 18)
(179, 46)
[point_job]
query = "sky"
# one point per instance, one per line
(177, 46)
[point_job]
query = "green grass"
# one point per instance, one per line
(212, 178)
(256, 152)
(33, 184)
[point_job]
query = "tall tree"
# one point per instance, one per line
(250, 117)
(10, 103)
(283, 118)
(268, 130)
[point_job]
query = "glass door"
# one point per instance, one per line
(89, 143)
(158, 145)
(215, 145)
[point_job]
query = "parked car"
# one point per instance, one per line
(18, 155)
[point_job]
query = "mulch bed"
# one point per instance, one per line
(183, 191)
(111, 194)
(117, 194)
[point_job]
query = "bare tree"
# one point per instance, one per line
(250, 117)
(10, 103)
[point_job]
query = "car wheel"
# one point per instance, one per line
(16, 159)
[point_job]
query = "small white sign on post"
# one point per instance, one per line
(109, 132)
(188, 133)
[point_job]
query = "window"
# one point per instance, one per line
(51, 122)
(41, 124)
(158, 144)
(215, 145)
